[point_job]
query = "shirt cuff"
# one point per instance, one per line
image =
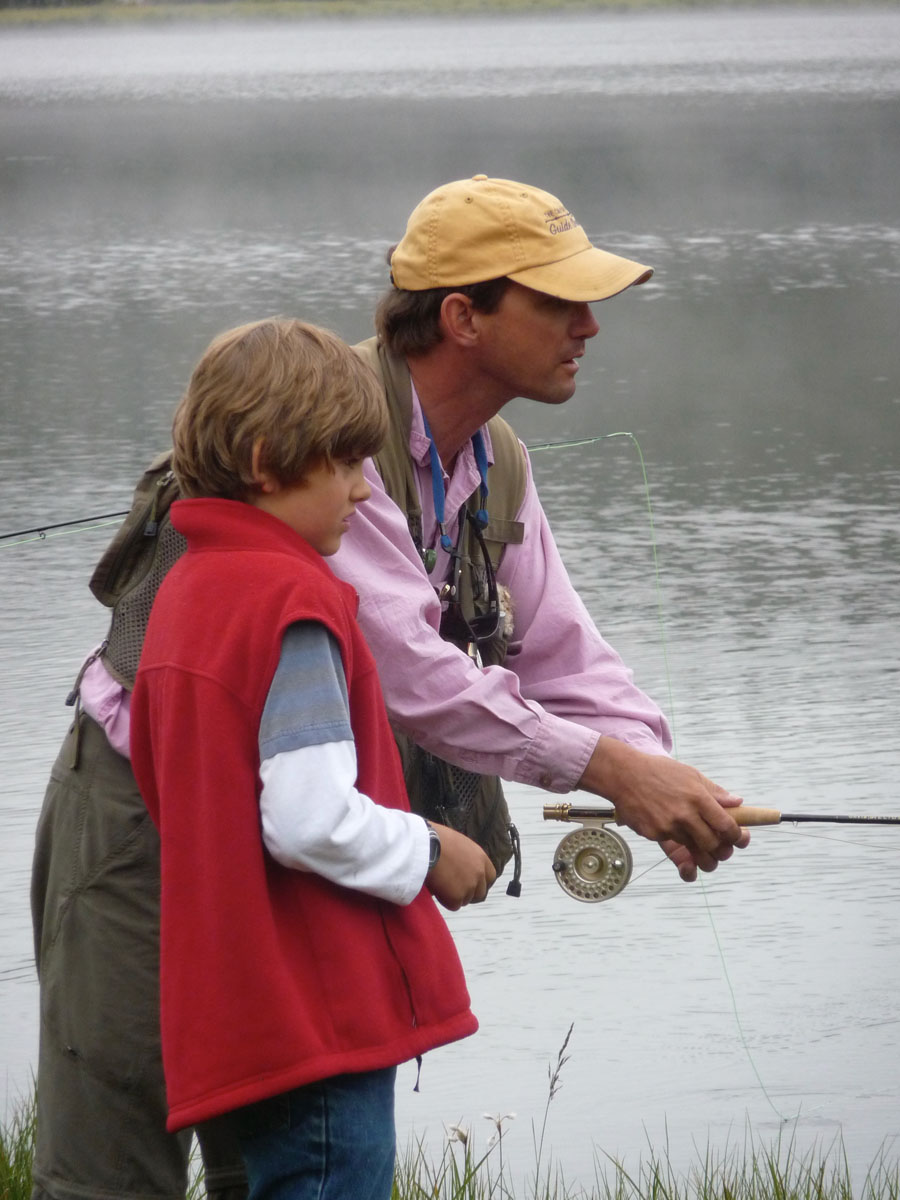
(557, 756)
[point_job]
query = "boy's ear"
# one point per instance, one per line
(266, 483)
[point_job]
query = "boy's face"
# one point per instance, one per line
(320, 507)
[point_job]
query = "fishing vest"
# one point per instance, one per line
(471, 803)
(128, 576)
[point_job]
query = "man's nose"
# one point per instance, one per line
(584, 323)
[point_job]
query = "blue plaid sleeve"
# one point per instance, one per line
(307, 701)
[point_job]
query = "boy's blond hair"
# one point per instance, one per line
(294, 389)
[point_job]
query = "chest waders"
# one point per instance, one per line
(144, 548)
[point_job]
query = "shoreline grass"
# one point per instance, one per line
(750, 1171)
(131, 12)
(753, 1171)
(17, 1151)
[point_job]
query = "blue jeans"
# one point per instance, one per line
(329, 1140)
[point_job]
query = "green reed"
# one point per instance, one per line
(17, 1151)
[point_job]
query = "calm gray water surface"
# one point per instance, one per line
(157, 186)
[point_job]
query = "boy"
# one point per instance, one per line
(301, 958)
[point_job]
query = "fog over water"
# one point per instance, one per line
(157, 186)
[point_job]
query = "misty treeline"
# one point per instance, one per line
(10, 4)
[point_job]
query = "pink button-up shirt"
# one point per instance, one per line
(537, 719)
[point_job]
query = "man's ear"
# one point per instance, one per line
(457, 312)
(266, 482)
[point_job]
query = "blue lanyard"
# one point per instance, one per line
(437, 483)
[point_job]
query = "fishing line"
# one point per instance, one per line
(737, 1016)
(646, 871)
(870, 848)
(660, 615)
(661, 623)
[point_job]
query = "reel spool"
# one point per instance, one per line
(592, 864)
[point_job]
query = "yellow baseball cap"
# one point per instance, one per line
(480, 228)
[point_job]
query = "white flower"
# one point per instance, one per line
(457, 1133)
(497, 1121)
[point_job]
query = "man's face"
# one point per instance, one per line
(531, 345)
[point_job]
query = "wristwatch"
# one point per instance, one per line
(434, 846)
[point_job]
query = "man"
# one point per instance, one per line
(489, 663)
(490, 300)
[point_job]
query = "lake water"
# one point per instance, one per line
(157, 186)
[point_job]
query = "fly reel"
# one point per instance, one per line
(592, 863)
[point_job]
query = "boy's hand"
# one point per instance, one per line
(463, 873)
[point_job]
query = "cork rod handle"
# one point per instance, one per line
(747, 815)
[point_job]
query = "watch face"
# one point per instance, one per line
(434, 847)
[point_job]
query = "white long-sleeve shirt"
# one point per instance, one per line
(313, 816)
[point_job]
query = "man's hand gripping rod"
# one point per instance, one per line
(594, 863)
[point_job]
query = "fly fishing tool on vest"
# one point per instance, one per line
(594, 863)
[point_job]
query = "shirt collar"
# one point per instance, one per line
(419, 444)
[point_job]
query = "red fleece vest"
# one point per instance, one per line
(270, 977)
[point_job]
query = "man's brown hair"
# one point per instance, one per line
(409, 323)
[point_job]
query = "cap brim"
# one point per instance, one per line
(591, 274)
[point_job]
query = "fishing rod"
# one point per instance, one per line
(594, 863)
(40, 531)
